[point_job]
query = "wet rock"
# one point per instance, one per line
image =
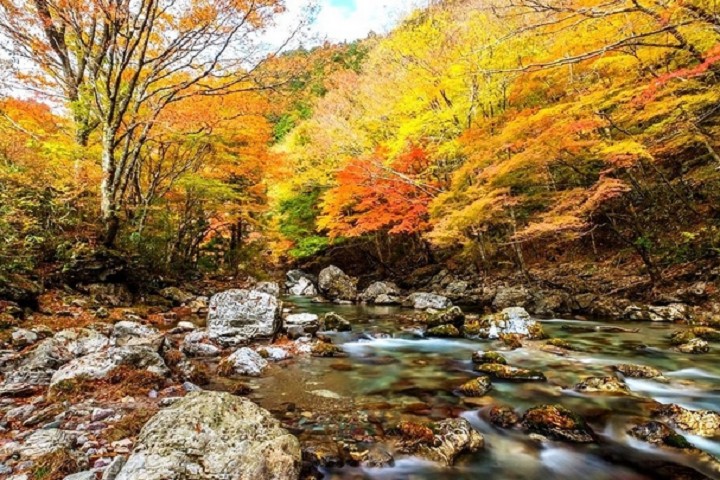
(507, 297)
(481, 357)
(681, 337)
(198, 344)
(335, 285)
(244, 362)
(675, 312)
(638, 371)
(451, 438)
(211, 435)
(503, 416)
(505, 372)
(176, 295)
(275, 354)
(451, 316)
(659, 434)
(561, 343)
(302, 324)
(707, 333)
(300, 283)
(557, 423)
(477, 387)
(332, 322)
(133, 334)
(424, 301)
(98, 365)
(323, 349)
(444, 331)
(271, 288)
(325, 454)
(704, 423)
(695, 346)
(377, 457)
(238, 316)
(511, 321)
(387, 300)
(371, 293)
(601, 385)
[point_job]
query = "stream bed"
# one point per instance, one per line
(392, 374)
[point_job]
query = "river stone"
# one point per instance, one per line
(481, 357)
(444, 331)
(505, 372)
(332, 322)
(244, 362)
(300, 283)
(659, 434)
(707, 333)
(98, 365)
(704, 423)
(387, 300)
(638, 371)
(513, 320)
(132, 334)
(335, 285)
(424, 301)
(198, 344)
(453, 316)
(557, 423)
(271, 288)
(238, 316)
(601, 385)
(375, 290)
(452, 438)
(213, 435)
(695, 346)
(503, 416)
(302, 323)
(477, 387)
(675, 312)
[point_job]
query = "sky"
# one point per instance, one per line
(347, 20)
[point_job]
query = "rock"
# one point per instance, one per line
(86, 475)
(477, 387)
(212, 435)
(704, 423)
(387, 300)
(198, 344)
(183, 327)
(513, 321)
(133, 334)
(505, 372)
(19, 289)
(424, 301)
(602, 385)
(451, 316)
(375, 290)
(271, 288)
(507, 297)
(109, 294)
(659, 434)
(99, 414)
(503, 417)
(377, 457)
(274, 353)
(675, 312)
(41, 443)
(22, 337)
(695, 346)
(301, 284)
(451, 438)
(324, 454)
(456, 289)
(332, 322)
(305, 323)
(681, 337)
(707, 333)
(557, 423)
(177, 296)
(444, 331)
(239, 316)
(114, 468)
(335, 285)
(323, 349)
(561, 343)
(638, 371)
(481, 357)
(81, 341)
(244, 362)
(98, 365)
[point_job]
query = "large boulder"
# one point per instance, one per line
(198, 344)
(212, 435)
(675, 312)
(511, 321)
(385, 290)
(336, 285)
(300, 283)
(444, 443)
(19, 289)
(98, 365)
(236, 317)
(424, 301)
(299, 324)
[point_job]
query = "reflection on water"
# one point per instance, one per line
(394, 374)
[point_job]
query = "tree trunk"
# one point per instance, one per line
(108, 202)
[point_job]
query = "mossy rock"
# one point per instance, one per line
(323, 349)
(707, 333)
(452, 316)
(488, 357)
(681, 337)
(444, 331)
(557, 423)
(506, 372)
(477, 387)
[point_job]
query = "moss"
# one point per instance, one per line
(536, 332)
(512, 340)
(677, 441)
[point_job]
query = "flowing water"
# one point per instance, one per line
(392, 373)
